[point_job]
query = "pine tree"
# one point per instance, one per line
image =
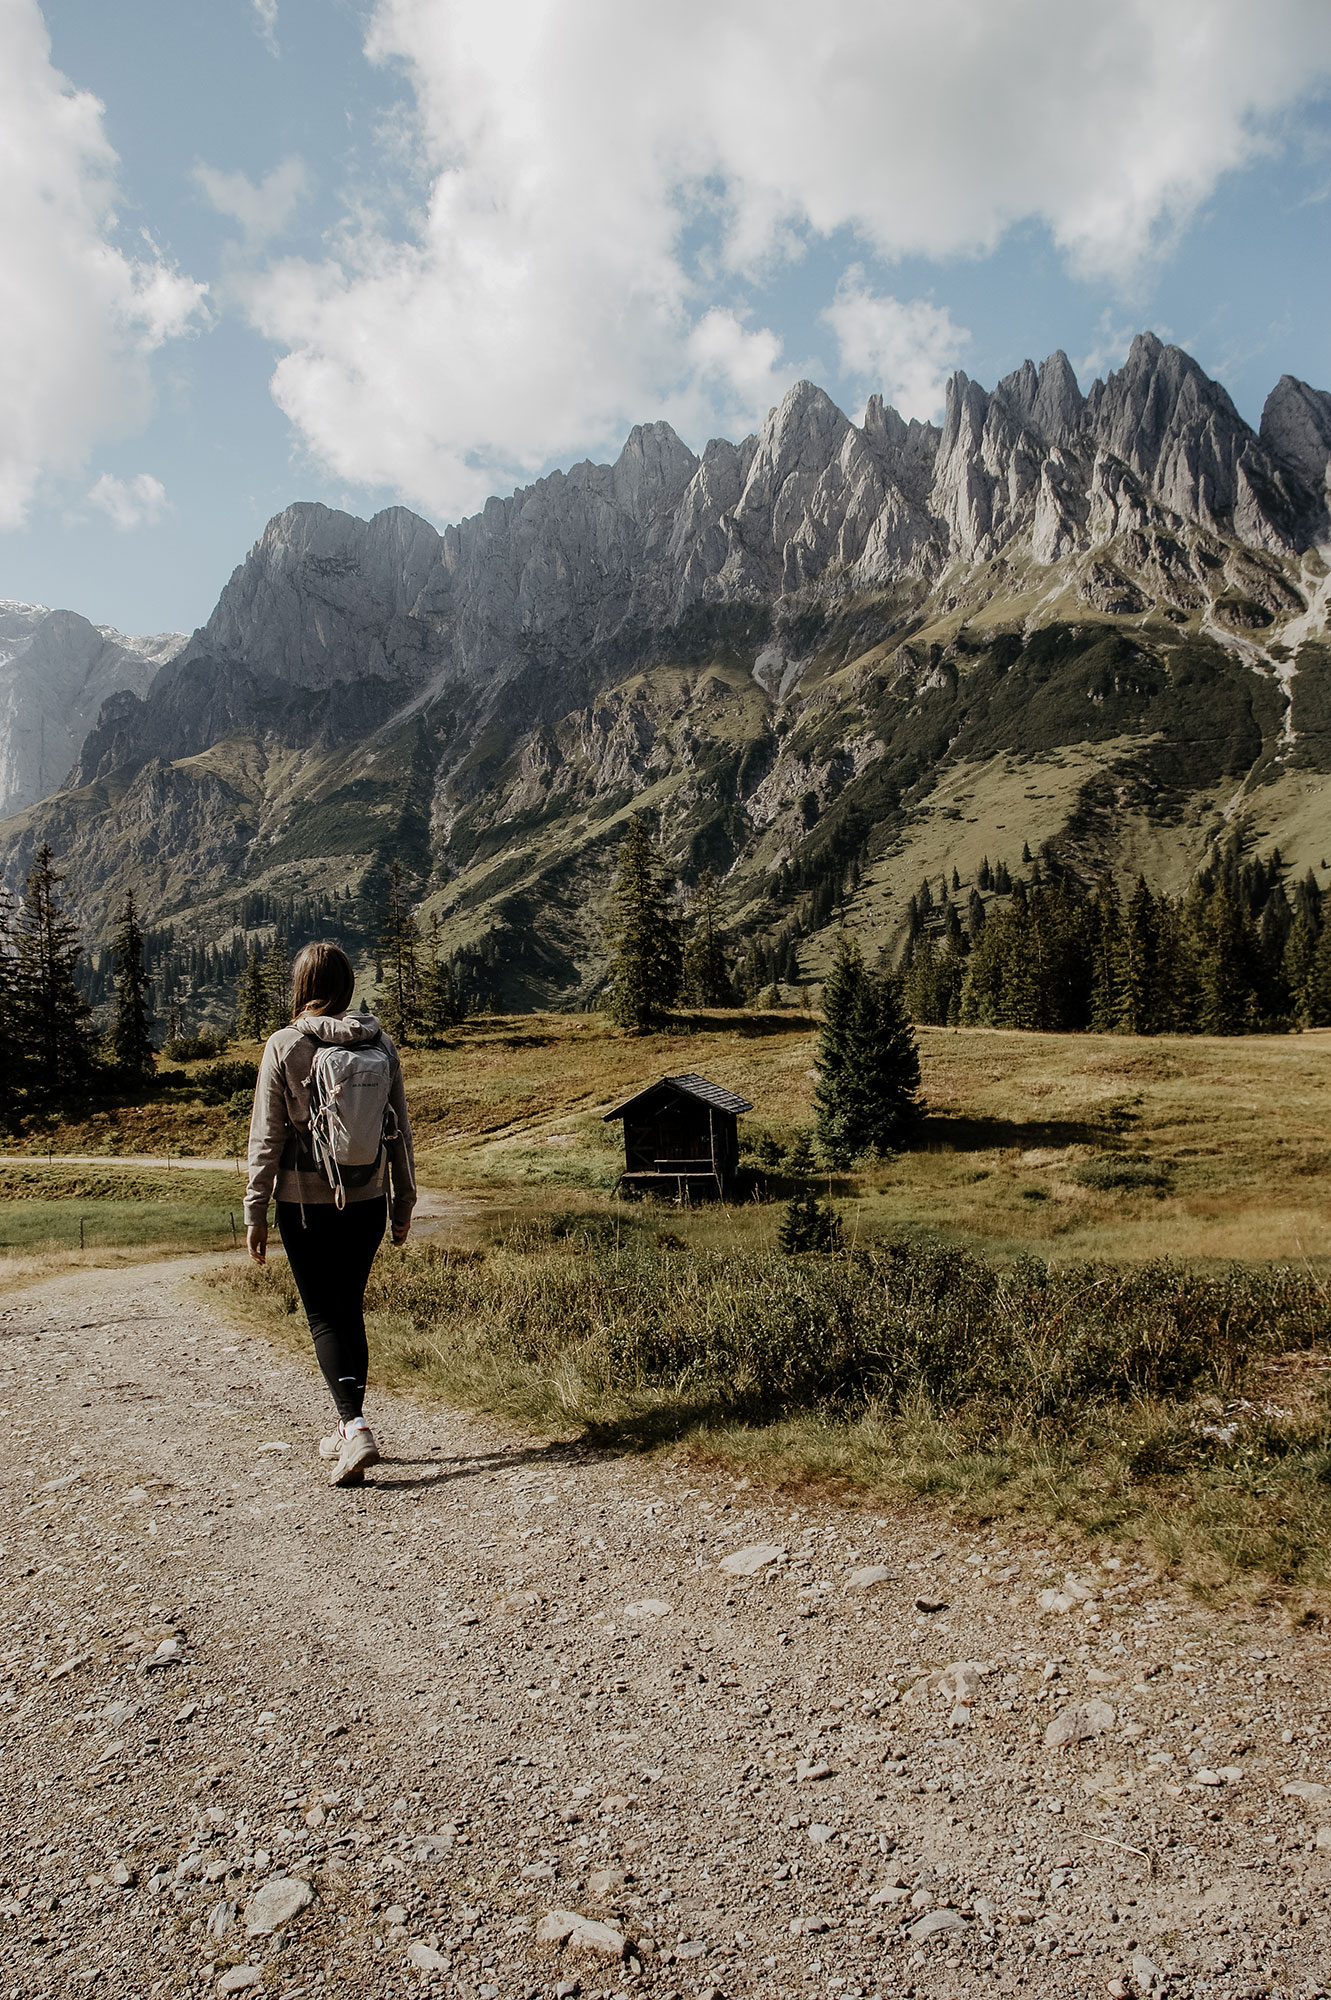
(1317, 983)
(399, 940)
(1142, 1010)
(441, 1007)
(130, 1042)
(1108, 969)
(277, 982)
(868, 1066)
(808, 1225)
(1227, 967)
(12, 1055)
(643, 935)
(51, 1015)
(706, 976)
(1300, 950)
(252, 1001)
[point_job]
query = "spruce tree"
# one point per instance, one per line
(440, 1003)
(12, 1055)
(1227, 967)
(644, 938)
(1142, 1009)
(868, 1066)
(808, 1224)
(277, 982)
(1108, 971)
(131, 1044)
(252, 1001)
(51, 1015)
(1316, 992)
(705, 978)
(399, 942)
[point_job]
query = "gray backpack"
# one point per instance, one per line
(350, 1115)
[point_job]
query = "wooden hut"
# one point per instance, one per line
(681, 1138)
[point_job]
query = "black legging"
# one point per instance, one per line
(330, 1254)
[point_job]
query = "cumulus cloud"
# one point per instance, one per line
(906, 350)
(265, 23)
(263, 209)
(79, 316)
(129, 503)
(607, 185)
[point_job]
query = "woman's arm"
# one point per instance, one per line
(268, 1136)
(401, 1160)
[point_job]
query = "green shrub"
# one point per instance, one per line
(1123, 1173)
(223, 1080)
(808, 1225)
(193, 1048)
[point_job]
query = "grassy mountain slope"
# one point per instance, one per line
(822, 755)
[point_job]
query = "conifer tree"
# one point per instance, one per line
(440, 1001)
(1142, 1009)
(1107, 965)
(808, 1225)
(1316, 992)
(399, 942)
(277, 982)
(1226, 967)
(12, 1056)
(868, 1066)
(51, 1014)
(252, 1001)
(130, 1042)
(643, 935)
(706, 976)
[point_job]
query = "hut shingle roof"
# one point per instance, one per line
(692, 1086)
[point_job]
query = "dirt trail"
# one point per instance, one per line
(511, 1678)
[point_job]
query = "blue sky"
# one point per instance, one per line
(419, 251)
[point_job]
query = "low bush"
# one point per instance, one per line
(1087, 1392)
(1123, 1173)
(221, 1081)
(193, 1048)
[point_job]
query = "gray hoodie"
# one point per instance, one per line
(280, 1121)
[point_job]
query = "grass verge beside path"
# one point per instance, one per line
(108, 1210)
(1140, 1403)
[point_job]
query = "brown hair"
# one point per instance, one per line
(322, 981)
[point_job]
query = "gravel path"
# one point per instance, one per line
(264, 1736)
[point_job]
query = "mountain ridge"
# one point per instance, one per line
(763, 642)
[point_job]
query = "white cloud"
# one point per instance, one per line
(551, 290)
(129, 503)
(263, 209)
(265, 23)
(905, 350)
(79, 316)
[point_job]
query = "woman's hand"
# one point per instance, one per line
(256, 1241)
(401, 1231)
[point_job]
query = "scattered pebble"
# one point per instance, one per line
(279, 1902)
(749, 1561)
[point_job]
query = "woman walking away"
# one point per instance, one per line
(329, 1129)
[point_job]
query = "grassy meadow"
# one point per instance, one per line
(1065, 1146)
(55, 1217)
(1095, 1292)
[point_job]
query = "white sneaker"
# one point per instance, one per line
(358, 1453)
(331, 1446)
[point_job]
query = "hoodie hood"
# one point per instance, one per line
(346, 1030)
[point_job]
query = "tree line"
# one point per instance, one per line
(51, 1053)
(1236, 953)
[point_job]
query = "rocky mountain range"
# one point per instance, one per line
(831, 659)
(56, 670)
